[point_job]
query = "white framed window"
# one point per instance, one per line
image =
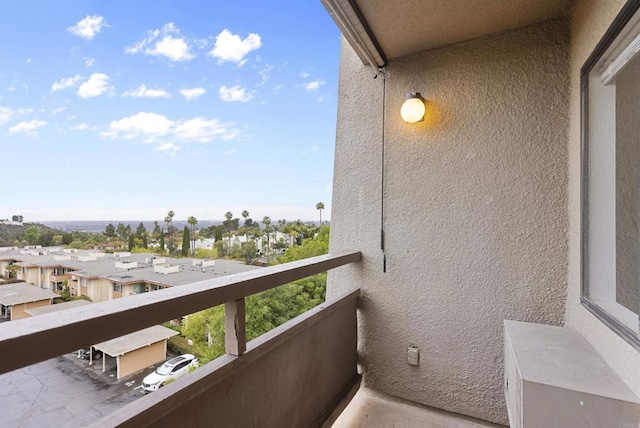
(610, 82)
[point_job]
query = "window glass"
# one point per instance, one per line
(611, 167)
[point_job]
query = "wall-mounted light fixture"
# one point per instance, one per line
(413, 109)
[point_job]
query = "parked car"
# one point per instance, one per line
(170, 370)
(85, 353)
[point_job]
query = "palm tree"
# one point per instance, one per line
(169, 220)
(193, 222)
(228, 215)
(320, 207)
(267, 229)
(245, 216)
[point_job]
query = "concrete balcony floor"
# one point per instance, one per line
(373, 410)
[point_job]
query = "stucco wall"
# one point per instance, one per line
(141, 358)
(589, 21)
(475, 211)
(18, 311)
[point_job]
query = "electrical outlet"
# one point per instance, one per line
(413, 355)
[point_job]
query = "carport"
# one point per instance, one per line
(17, 298)
(135, 351)
(57, 307)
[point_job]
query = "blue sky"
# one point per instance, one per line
(128, 109)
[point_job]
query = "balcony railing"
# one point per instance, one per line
(291, 376)
(60, 278)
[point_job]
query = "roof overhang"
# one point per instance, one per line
(132, 341)
(382, 30)
(347, 15)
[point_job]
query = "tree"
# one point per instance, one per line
(67, 238)
(265, 310)
(169, 220)
(162, 240)
(156, 231)
(110, 231)
(218, 231)
(12, 271)
(193, 222)
(132, 242)
(320, 207)
(186, 242)
(17, 218)
(121, 231)
(32, 234)
(267, 229)
(145, 243)
(141, 230)
(245, 216)
(228, 224)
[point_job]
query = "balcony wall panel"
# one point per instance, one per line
(474, 212)
(288, 377)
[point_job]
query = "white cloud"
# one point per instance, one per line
(58, 110)
(145, 126)
(158, 129)
(69, 82)
(230, 152)
(304, 74)
(97, 85)
(192, 93)
(169, 148)
(88, 27)
(28, 60)
(27, 127)
(265, 74)
(230, 47)
(203, 130)
(88, 62)
(6, 113)
(235, 93)
(80, 127)
(143, 92)
(313, 85)
(11, 88)
(161, 42)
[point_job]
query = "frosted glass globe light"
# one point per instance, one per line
(413, 109)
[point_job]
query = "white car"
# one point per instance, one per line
(170, 370)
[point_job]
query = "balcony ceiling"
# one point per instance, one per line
(403, 27)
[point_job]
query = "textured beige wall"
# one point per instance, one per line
(475, 207)
(18, 311)
(589, 21)
(141, 358)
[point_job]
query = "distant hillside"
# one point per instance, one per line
(12, 233)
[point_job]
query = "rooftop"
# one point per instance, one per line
(21, 292)
(132, 341)
(57, 307)
(104, 266)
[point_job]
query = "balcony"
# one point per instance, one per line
(295, 375)
(59, 278)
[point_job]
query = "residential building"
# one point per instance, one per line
(103, 276)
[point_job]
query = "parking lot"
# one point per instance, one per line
(64, 392)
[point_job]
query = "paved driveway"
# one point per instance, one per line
(62, 392)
